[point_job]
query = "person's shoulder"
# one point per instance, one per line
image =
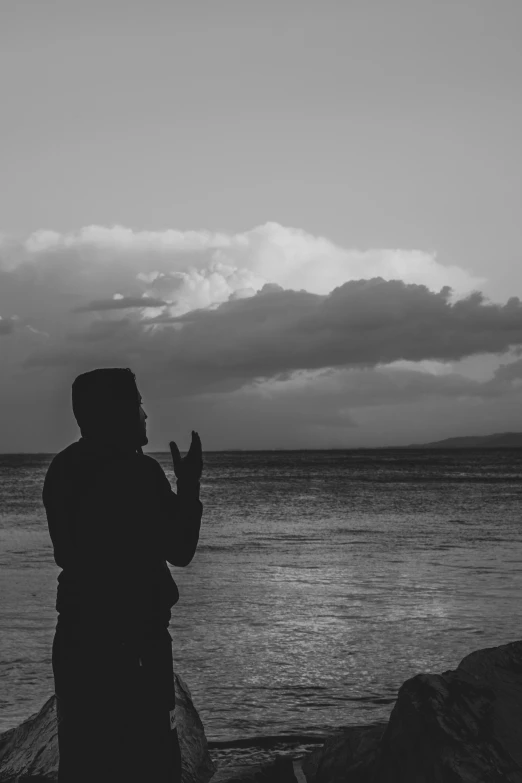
(60, 468)
(66, 455)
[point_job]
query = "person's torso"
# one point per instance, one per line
(110, 544)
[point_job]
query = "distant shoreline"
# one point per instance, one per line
(503, 440)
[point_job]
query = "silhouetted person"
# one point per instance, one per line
(114, 522)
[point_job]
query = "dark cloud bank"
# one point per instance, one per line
(360, 324)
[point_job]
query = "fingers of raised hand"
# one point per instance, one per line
(195, 444)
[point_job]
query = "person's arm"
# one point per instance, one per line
(54, 496)
(180, 519)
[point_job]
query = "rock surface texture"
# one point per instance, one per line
(462, 726)
(197, 766)
(30, 751)
(345, 754)
(281, 770)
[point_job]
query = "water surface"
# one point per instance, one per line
(322, 581)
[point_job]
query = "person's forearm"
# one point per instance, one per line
(188, 488)
(184, 536)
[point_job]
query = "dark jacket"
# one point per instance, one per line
(114, 522)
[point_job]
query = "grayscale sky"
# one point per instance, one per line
(297, 222)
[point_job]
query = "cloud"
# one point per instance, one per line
(119, 302)
(361, 323)
(339, 391)
(102, 330)
(206, 267)
(276, 332)
(508, 373)
(54, 279)
(272, 320)
(343, 407)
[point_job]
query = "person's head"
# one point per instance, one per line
(107, 406)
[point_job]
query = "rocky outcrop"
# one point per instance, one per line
(30, 751)
(462, 726)
(280, 770)
(344, 755)
(197, 766)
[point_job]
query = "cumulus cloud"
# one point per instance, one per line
(205, 267)
(276, 332)
(119, 302)
(97, 271)
(361, 323)
(219, 310)
(272, 317)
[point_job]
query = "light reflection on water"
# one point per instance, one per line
(322, 581)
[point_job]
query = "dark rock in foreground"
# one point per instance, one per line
(197, 766)
(462, 726)
(345, 753)
(281, 770)
(30, 751)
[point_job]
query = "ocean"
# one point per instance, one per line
(322, 581)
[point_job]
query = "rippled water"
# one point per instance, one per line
(322, 581)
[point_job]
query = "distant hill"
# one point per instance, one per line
(497, 441)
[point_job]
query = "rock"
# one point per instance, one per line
(462, 726)
(31, 749)
(344, 753)
(29, 752)
(281, 770)
(197, 766)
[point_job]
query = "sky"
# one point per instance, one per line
(297, 222)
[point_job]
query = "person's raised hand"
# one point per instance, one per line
(189, 467)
